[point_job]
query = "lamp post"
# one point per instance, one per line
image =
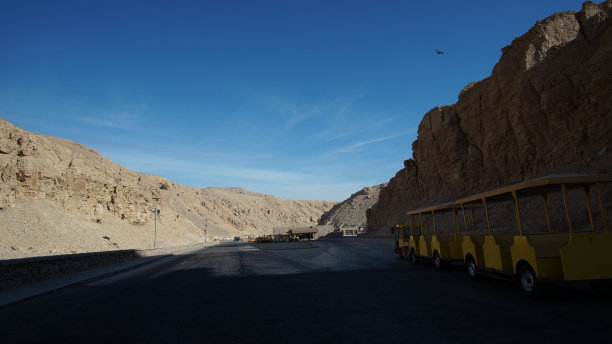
(205, 230)
(156, 211)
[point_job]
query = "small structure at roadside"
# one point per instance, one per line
(350, 231)
(303, 234)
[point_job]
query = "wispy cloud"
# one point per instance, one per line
(297, 113)
(256, 174)
(123, 120)
(315, 184)
(342, 130)
(160, 164)
(336, 191)
(356, 146)
(322, 178)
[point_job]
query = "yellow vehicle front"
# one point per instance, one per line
(402, 237)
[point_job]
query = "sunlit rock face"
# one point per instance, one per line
(546, 108)
(352, 211)
(57, 196)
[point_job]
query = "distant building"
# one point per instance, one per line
(301, 234)
(350, 231)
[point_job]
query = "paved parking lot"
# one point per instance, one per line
(337, 291)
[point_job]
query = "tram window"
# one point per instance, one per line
(502, 217)
(533, 213)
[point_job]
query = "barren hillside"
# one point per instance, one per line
(57, 196)
(352, 211)
(546, 108)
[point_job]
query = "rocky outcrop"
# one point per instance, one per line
(546, 108)
(352, 211)
(57, 196)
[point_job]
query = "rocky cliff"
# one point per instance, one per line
(57, 196)
(546, 108)
(352, 211)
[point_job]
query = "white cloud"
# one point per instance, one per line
(355, 146)
(298, 113)
(318, 183)
(123, 120)
(160, 164)
(318, 191)
(342, 129)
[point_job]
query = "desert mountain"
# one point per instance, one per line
(352, 211)
(546, 108)
(57, 196)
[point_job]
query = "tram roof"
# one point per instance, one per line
(439, 207)
(539, 185)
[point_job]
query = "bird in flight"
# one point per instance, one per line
(439, 52)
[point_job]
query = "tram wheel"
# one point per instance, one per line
(437, 261)
(528, 281)
(470, 264)
(413, 256)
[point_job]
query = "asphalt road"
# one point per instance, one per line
(339, 291)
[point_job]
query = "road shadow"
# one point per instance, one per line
(358, 306)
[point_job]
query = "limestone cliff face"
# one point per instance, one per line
(546, 108)
(40, 167)
(57, 196)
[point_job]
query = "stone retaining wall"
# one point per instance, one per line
(16, 272)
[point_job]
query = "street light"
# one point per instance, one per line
(156, 211)
(205, 230)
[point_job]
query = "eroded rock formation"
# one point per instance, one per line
(546, 108)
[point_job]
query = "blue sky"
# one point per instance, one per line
(298, 99)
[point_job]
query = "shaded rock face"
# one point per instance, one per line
(352, 211)
(546, 108)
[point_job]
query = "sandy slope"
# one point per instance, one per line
(57, 196)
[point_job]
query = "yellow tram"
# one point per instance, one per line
(544, 229)
(436, 239)
(551, 250)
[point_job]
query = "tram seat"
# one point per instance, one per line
(504, 241)
(478, 240)
(448, 245)
(497, 253)
(548, 245)
(425, 245)
(445, 239)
